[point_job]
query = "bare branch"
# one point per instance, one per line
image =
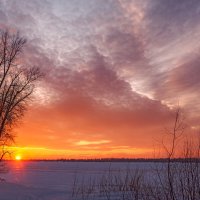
(16, 84)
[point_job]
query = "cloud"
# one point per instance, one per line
(167, 19)
(84, 142)
(110, 66)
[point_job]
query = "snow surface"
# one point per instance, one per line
(12, 191)
(53, 180)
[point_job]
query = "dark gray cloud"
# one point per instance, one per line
(168, 19)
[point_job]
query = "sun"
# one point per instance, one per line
(18, 157)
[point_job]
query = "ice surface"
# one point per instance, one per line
(53, 180)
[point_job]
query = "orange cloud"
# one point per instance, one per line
(113, 72)
(85, 142)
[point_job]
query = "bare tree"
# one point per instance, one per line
(16, 85)
(176, 132)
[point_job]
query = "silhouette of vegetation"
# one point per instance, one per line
(17, 83)
(171, 179)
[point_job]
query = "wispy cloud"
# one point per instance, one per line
(113, 66)
(85, 142)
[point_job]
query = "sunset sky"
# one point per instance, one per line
(114, 71)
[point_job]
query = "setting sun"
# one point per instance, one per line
(99, 99)
(17, 157)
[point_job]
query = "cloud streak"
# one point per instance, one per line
(113, 67)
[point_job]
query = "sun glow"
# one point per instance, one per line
(18, 157)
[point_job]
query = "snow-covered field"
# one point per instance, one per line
(54, 180)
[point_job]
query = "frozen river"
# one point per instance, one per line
(61, 175)
(55, 180)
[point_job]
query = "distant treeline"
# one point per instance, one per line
(119, 160)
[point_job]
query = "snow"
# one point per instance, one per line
(12, 191)
(53, 180)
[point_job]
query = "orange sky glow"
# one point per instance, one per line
(114, 73)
